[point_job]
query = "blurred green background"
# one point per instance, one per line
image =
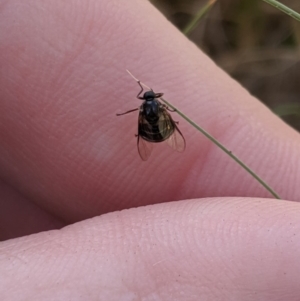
(255, 43)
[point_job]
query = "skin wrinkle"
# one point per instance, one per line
(19, 216)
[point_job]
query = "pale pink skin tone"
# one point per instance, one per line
(65, 157)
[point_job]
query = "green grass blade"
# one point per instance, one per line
(198, 17)
(284, 9)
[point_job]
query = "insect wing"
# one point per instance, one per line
(176, 140)
(144, 147)
(165, 124)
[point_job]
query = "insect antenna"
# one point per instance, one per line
(138, 81)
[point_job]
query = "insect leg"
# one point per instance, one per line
(158, 95)
(127, 112)
(169, 109)
(142, 89)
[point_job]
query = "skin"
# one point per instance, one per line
(198, 226)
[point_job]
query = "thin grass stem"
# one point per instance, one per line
(198, 17)
(284, 9)
(224, 149)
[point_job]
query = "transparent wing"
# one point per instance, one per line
(176, 139)
(165, 125)
(144, 147)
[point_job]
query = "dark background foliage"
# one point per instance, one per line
(255, 43)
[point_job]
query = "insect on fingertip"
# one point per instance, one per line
(155, 124)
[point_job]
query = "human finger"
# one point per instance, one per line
(209, 249)
(64, 80)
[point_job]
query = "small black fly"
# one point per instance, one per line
(155, 124)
